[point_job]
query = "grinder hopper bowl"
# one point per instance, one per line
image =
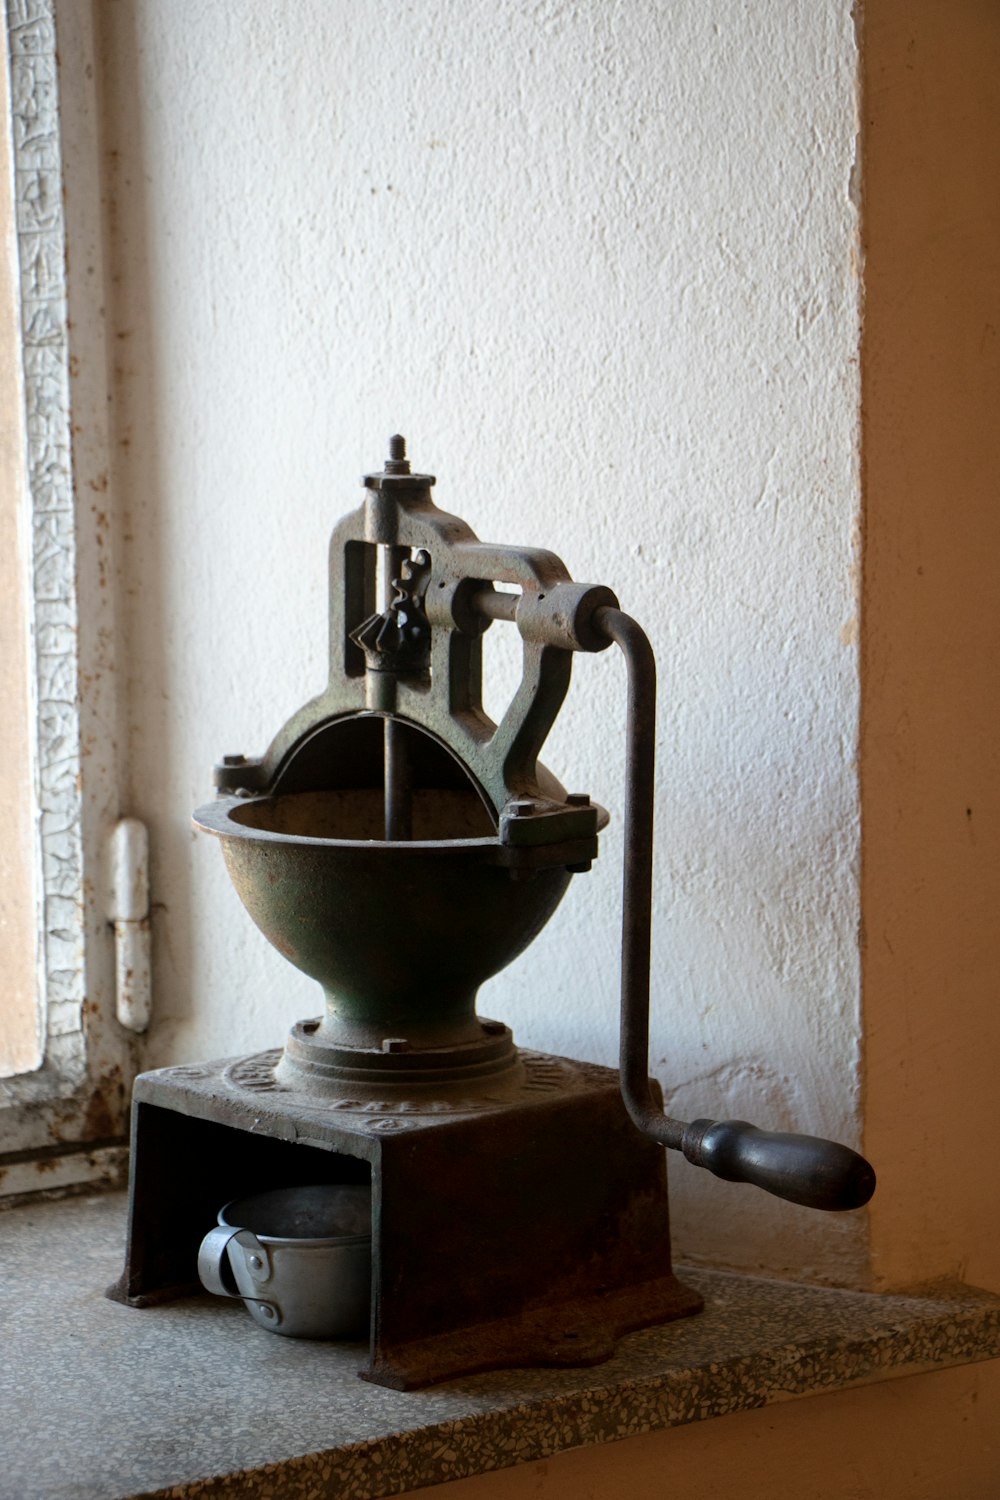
(401, 848)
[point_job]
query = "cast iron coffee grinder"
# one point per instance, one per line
(401, 848)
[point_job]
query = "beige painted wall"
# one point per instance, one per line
(931, 637)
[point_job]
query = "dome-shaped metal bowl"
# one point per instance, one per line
(400, 935)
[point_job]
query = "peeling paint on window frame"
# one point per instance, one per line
(63, 1125)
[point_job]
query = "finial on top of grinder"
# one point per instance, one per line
(397, 462)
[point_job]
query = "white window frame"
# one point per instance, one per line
(64, 1125)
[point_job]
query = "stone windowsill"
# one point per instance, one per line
(192, 1399)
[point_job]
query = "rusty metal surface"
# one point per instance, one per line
(378, 666)
(531, 1236)
(401, 920)
(401, 936)
(399, 847)
(533, 1229)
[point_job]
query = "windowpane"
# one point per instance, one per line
(20, 1049)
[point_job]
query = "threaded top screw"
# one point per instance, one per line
(397, 462)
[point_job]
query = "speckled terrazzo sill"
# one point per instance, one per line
(108, 1402)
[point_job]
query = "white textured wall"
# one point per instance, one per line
(598, 261)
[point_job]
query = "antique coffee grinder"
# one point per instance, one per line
(401, 848)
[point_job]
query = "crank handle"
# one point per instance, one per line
(801, 1168)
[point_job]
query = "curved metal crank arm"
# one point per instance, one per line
(801, 1168)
